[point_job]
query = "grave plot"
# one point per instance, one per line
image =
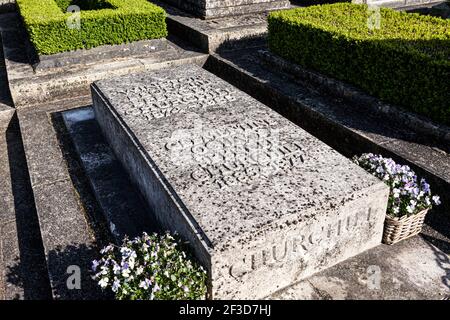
(34, 79)
(262, 202)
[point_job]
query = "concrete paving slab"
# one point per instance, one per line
(412, 269)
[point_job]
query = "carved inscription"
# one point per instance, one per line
(295, 247)
(164, 98)
(235, 154)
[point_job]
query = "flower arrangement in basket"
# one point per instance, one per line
(150, 267)
(409, 198)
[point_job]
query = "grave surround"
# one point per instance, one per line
(262, 202)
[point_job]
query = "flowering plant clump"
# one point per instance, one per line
(407, 196)
(150, 267)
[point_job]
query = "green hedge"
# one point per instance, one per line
(102, 22)
(406, 61)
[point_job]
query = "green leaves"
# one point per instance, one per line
(405, 62)
(150, 267)
(118, 21)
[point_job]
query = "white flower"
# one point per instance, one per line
(436, 200)
(116, 269)
(145, 284)
(104, 270)
(396, 192)
(103, 283)
(139, 270)
(131, 262)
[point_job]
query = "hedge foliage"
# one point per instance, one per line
(101, 22)
(406, 61)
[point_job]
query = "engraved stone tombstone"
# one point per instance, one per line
(262, 202)
(220, 8)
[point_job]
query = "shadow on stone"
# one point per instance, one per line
(253, 41)
(124, 209)
(80, 182)
(30, 272)
(442, 257)
(74, 261)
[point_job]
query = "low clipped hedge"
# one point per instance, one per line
(102, 22)
(406, 61)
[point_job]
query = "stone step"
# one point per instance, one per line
(71, 231)
(9, 245)
(23, 273)
(284, 209)
(216, 33)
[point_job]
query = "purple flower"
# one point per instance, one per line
(147, 283)
(408, 194)
(95, 265)
(116, 285)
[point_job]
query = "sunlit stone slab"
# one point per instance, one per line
(221, 8)
(262, 202)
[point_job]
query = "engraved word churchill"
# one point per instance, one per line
(164, 98)
(295, 247)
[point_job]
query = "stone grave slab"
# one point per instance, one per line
(262, 202)
(219, 8)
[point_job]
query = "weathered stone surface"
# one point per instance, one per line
(413, 269)
(283, 217)
(9, 246)
(220, 8)
(6, 114)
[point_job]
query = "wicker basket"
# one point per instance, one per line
(398, 229)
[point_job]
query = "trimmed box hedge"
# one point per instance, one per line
(406, 61)
(102, 22)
